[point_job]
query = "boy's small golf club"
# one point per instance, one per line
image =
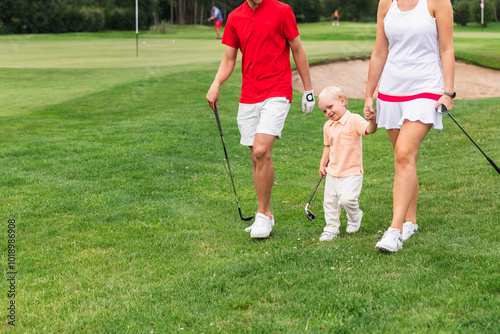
(442, 109)
(228, 166)
(311, 216)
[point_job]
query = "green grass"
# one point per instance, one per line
(113, 168)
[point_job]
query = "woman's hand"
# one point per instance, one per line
(368, 109)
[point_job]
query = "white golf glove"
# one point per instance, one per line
(308, 101)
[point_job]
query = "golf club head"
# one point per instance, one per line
(244, 218)
(311, 216)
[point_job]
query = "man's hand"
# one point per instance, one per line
(213, 96)
(308, 101)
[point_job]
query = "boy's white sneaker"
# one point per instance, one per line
(409, 229)
(262, 226)
(391, 242)
(327, 236)
(353, 227)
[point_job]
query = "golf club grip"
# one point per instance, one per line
(216, 112)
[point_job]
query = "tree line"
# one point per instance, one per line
(59, 16)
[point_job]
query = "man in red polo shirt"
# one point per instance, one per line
(265, 31)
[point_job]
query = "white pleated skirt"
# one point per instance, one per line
(392, 115)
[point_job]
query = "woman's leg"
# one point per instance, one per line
(406, 144)
(411, 214)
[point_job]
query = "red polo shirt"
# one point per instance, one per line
(262, 36)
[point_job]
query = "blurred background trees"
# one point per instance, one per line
(58, 16)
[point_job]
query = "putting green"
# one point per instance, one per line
(40, 71)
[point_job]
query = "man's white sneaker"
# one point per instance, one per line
(392, 241)
(327, 236)
(262, 226)
(353, 227)
(409, 229)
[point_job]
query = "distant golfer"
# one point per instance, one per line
(265, 31)
(414, 60)
(335, 18)
(217, 18)
(343, 153)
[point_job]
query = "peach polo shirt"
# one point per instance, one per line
(344, 138)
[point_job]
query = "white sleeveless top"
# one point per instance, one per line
(413, 64)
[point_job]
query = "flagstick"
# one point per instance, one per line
(137, 28)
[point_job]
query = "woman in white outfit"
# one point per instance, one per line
(414, 60)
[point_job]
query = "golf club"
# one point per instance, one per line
(311, 216)
(442, 109)
(228, 166)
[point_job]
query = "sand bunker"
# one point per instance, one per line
(471, 82)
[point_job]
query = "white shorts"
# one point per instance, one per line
(391, 115)
(266, 117)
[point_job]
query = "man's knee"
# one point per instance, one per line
(261, 153)
(262, 148)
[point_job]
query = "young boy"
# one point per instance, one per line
(343, 155)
